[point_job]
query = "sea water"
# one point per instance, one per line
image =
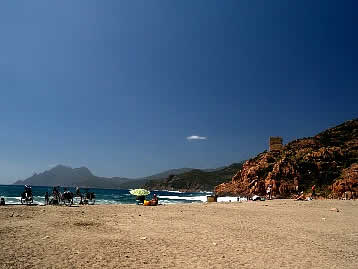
(12, 195)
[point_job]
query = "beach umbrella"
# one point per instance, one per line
(139, 192)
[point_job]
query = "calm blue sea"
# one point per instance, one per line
(12, 195)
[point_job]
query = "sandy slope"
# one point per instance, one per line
(269, 234)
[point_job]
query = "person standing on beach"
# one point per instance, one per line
(55, 192)
(78, 192)
(46, 198)
(28, 191)
(313, 191)
(269, 192)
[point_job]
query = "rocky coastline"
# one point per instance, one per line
(328, 160)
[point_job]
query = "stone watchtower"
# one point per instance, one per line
(276, 143)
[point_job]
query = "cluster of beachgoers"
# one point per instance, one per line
(68, 198)
(57, 197)
(270, 195)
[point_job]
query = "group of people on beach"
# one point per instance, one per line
(303, 197)
(141, 200)
(56, 194)
(300, 195)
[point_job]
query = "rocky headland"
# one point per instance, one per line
(328, 160)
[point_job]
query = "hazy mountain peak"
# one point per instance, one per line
(83, 171)
(60, 167)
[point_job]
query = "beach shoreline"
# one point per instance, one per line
(266, 234)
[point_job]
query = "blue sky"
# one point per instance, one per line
(119, 86)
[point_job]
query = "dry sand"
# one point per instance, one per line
(271, 234)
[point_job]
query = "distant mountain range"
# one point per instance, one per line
(62, 175)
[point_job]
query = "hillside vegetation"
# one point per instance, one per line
(194, 180)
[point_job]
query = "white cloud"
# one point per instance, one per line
(196, 137)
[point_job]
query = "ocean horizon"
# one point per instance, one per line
(12, 195)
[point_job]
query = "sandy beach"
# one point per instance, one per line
(271, 234)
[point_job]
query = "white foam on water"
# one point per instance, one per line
(17, 200)
(175, 191)
(107, 202)
(206, 192)
(228, 199)
(231, 199)
(12, 200)
(168, 202)
(187, 198)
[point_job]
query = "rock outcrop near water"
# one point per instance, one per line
(328, 160)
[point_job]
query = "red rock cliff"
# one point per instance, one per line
(328, 160)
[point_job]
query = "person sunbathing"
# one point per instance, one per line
(154, 201)
(302, 197)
